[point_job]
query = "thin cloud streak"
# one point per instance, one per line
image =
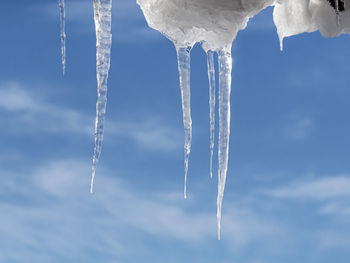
(316, 189)
(24, 109)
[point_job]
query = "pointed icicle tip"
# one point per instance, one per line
(92, 179)
(184, 67)
(281, 43)
(103, 26)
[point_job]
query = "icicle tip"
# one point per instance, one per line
(92, 179)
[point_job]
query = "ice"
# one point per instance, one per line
(213, 22)
(184, 65)
(103, 19)
(225, 71)
(294, 17)
(337, 11)
(62, 11)
(211, 77)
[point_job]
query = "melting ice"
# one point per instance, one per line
(214, 24)
(211, 77)
(103, 20)
(184, 62)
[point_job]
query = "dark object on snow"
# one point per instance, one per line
(341, 5)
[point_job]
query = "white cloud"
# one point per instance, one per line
(315, 189)
(299, 127)
(24, 108)
(53, 212)
(336, 208)
(27, 109)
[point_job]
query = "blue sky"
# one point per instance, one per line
(287, 196)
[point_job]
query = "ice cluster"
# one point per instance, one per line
(330, 17)
(214, 24)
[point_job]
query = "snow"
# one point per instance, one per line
(213, 22)
(103, 21)
(294, 17)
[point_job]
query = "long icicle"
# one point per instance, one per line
(103, 20)
(211, 76)
(225, 71)
(184, 65)
(62, 10)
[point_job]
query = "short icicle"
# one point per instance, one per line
(337, 11)
(103, 19)
(211, 76)
(62, 10)
(184, 65)
(225, 71)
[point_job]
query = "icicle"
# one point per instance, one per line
(281, 43)
(211, 76)
(62, 9)
(103, 19)
(225, 70)
(184, 65)
(337, 11)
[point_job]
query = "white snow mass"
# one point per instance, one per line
(293, 17)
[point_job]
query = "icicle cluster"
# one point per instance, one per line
(103, 24)
(215, 24)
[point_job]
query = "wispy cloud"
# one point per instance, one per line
(330, 196)
(27, 109)
(316, 189)
(22, 108)
(53, 212)
(299, 127)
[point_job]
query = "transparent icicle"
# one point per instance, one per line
(225, 71)
(211, 76)
(62, 10)
(103, 19)
(184, 65)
